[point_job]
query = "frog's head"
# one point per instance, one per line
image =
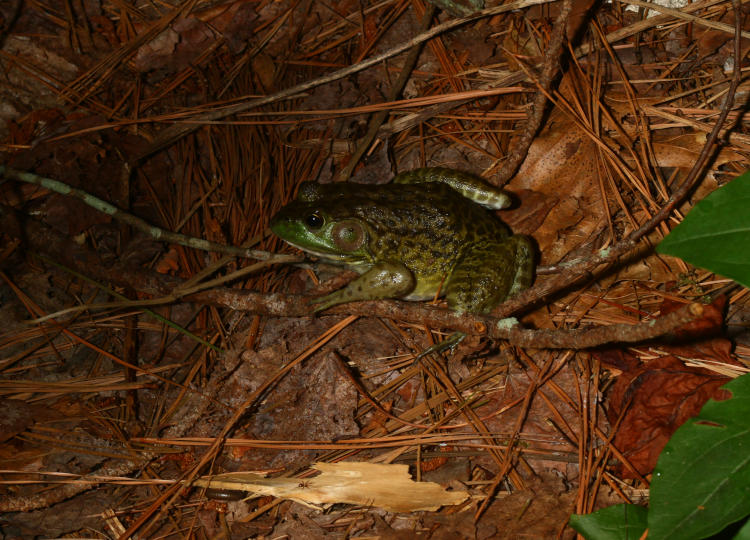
(322, 229)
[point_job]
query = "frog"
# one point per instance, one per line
(429, 232)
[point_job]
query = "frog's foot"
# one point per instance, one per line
(323, 302)
(525, 255)
(383, 280)
(448, 343)
(470, 186)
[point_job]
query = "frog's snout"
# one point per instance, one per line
(280, 223)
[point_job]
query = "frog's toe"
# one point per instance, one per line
(449, 343)
(524, 276)
(321, 303)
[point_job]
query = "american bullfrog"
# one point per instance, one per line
(423, 233)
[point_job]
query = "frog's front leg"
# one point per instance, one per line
(383, 280)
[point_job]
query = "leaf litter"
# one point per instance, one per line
(90, 87)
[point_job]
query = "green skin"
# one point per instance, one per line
(424, 232)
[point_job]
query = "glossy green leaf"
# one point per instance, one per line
(701, 483)
(715, 234)
(744, 532)
(619, 522)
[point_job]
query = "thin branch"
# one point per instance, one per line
(378, 118)
(483, 325)
(550, 71)
(156, 233)
(679, 14)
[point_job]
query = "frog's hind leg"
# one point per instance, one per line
(450, 342)
(485, 275)
(475, 284)
(472, 187)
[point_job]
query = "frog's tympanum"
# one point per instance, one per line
(425, 232)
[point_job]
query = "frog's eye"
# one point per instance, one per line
(314, 221)
(348, 235)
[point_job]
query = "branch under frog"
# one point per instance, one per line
(275, 304)
(42, 239)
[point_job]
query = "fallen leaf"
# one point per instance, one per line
(368, 484)
(18, 416)
(650, 400)
(563, 155)
(654, 399)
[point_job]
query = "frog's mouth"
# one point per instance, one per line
(329, 256)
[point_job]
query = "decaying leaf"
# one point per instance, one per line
(651, 399)
(563, 155)
(654, 399)
(369, 484)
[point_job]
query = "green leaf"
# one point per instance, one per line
(619, 522)
(744, 532)
(715, 234)
(701, 483)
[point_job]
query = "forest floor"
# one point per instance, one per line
(133, 368)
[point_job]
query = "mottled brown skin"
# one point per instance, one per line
(412, 238)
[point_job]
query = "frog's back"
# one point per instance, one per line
(434, 212)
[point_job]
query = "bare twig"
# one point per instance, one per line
(378, 118)
(680, 14)
(492, 327)
(137, 223)
(549, 73)
(47, 498)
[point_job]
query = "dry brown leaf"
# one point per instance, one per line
(650, 400)
(18, 416)
(561, 164)
(369, 484)
(265, 69)
(654, 399)
(187, 38)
